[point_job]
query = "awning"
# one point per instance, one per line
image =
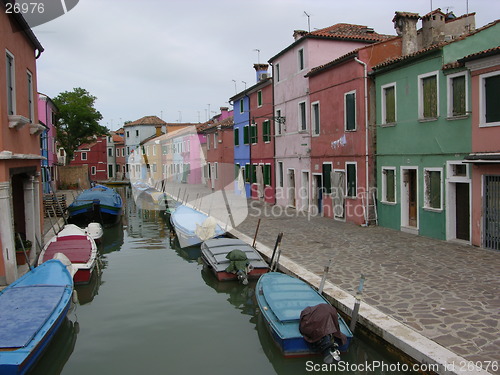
(483, 158)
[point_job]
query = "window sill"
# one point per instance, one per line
(430, 209)
(429, 119)
(489, 124)
(36, 129)
(388, 125)
(350, 130)
(459, 117)
(17, 121)
(389, 203)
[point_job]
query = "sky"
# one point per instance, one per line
(182, 60)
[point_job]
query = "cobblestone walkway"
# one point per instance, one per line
(448, 292)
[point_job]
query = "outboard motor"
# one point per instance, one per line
(95, 231)
(238, 264)
(320, 327)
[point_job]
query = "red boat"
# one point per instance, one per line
(77, 246)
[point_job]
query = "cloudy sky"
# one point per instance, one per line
(183, 59)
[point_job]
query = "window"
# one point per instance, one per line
(208, 143)
(242, 106)
(428, 96)
(350, 110)
(128, 134)
(277, 72)
(327, 178)
(457, 95)
(302, 116)
(280, 174)
(84, 156)
(246, 134)
(137, 133)
(253, 134)
(301, 59)
(216, 170)
(488, 99)
(267, 174)
(110, 151)
(389, 184)
(278, 122)
(259, 98)
(432, 188)
(315, 118)
(351, 180)
(216, 139)
(389, 103)
(92, 170)
(11, 85)
(31, 105)
(236, 136)
(254, 173)
(266, 131)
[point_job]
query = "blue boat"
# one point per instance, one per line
(193, 227)
(99, 204)
(281, 299)
(31, 310)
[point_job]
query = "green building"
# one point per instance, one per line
(423, 107)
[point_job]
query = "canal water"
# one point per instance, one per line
(154, 309)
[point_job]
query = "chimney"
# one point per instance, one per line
(261, 70)
(224, 113)
(297, 34)
(406, 27)
(158, 130)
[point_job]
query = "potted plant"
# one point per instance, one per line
(20, 257)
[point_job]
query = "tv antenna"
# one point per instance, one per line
(308, 21)
(258, 55)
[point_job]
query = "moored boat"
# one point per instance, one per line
(193, 227)
(232, 259)
(77, 246)
(99, 204)
(282, 299)
(32, 309)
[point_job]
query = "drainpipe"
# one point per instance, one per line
(365, 77)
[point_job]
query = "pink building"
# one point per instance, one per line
(220, 172)
(20, 159)
(484, 69)
(291, 102)
(342, 143)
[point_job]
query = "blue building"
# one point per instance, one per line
(241, 106)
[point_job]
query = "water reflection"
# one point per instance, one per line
(160, 311)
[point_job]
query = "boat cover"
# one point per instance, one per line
(238, 261)
(24, 311)
(77, 248)
(319, 321)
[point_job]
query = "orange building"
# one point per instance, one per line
(20, 158)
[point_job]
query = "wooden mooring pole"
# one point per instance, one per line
(256, 231)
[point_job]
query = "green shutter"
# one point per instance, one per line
(267, 174)
(327, 178)
(430, 96)
(458, 86)
(350, 109)
(236, 136)
(351, 180)
(266, 131)
(246, 135)
(434, 189)
(247, 172)
(390, 194)
(390, 105)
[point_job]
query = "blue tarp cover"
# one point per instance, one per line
(24, 311)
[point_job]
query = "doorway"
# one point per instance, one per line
(291, 187)
(462, 223)
(409, 198)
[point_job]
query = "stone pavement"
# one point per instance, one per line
(448, 292)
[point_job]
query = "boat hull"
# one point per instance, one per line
(44, 295)
(98, 204)
(227, 276)
(281, 298)
(78, 247)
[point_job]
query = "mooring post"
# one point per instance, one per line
(354, 317)
(323, 279)
(273, 265)
(256, 231)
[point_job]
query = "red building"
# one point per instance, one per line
(342, 141)
(219, 169)
(94, 156)
(261, 134)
